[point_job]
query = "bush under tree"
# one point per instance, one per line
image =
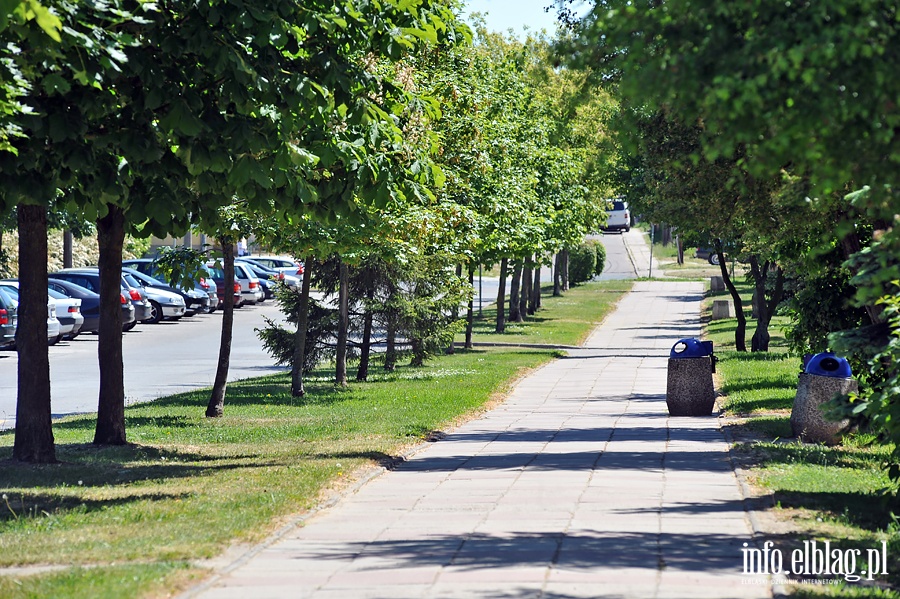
(582, 263)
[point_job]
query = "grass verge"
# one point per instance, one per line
(818, 493)
(132, 520)
(565, 320)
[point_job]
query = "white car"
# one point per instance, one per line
(68, 313)
(618, 217)
(53, 334)
(251, 290)
(284, 264)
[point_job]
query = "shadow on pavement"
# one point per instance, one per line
(582, 550)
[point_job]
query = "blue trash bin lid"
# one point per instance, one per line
(828, 364)
(691, 348)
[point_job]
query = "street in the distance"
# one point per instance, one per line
(160, 359)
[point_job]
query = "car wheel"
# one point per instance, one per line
(156, 313)
(714, 259)
(129, 326)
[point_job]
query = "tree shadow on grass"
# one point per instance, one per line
(755, 357)
(870, 511)
(29, 504)
(775, 381)
(769, 454)
(763, 404)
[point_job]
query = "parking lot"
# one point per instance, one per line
(160, 359)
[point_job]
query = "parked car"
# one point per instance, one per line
(267, 274)
(218, 277)
(164, 305)
(251, 290)
(199, 302)
(53, 336)
(250, 287)
(284, 264)
(143, 310)
(68, 313)
(707, 254)
(618, 217)
(202, 298)
(8, 320)
(89, 279)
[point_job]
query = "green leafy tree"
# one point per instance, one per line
(44, 146)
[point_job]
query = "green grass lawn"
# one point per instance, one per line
(828, 493)
(129, 521)
(566, 316)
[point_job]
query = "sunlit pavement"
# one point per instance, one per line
(579, 485)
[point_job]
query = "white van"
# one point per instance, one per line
(618, 216)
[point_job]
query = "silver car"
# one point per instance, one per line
(163, 304)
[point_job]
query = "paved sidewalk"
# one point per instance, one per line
(638, 245)
(579, 485)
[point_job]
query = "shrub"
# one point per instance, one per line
(601, 257)
(582, 263)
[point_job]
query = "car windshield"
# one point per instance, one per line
(56, 294)
(617, 205)
(215, 273)
(11, 291)
(131, 280)
(146, 279)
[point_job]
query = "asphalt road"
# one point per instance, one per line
(160, 359)
(619, 264)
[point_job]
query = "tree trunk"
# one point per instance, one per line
(470, 313)
(340, 369)
(765, 309)
(390, 352)
(680, 247)
(501, 297)
(526, 290)
(850, 244)
(451, 349)
(299, 360)
(565, 269)
(362, 373)
(557, 275)
(111, 406)
(740, 333)
(514, 314)
(216, 406)
(536, 293)
(417, 347)
(34, 431)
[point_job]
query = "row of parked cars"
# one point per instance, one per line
(73, 300)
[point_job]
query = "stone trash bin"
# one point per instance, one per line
(689, 388)
(824, 376)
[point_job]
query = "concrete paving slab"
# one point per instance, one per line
(578, 485)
